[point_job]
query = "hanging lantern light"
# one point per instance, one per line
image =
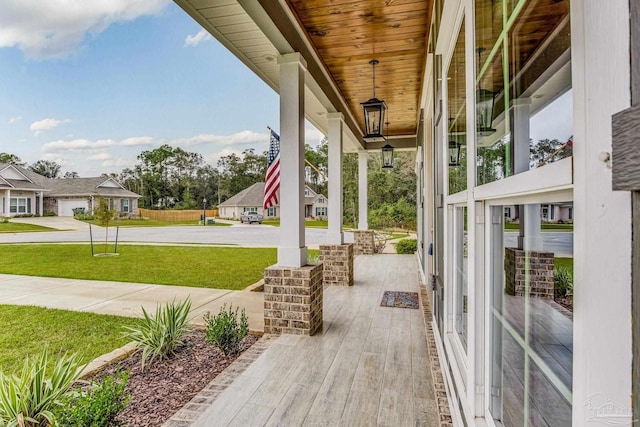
(373, 113)
(484, 105)
(387, 153)
(454, 153)
(484, 111)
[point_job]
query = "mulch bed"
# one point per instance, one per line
(566, 302)
(165, 387)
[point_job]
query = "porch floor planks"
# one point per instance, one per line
(369, 366)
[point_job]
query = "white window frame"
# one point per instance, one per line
(125, 205)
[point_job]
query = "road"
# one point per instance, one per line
(251, 235)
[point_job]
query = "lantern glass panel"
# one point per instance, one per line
(387, 157)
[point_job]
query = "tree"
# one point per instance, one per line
(46, 168)
(104, 216)
(547, 151)
(68, 175)
(11, 159)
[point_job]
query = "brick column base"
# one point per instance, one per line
(293, 300)
(540, 273)
(337, 262)
(363, 242)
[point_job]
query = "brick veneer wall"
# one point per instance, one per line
(337, 262)
(293, 300)
(363, 242)
(540, 273)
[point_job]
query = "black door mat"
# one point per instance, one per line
(400, 299)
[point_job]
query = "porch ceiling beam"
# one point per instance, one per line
(287, 24)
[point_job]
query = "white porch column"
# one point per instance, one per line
(41, 203)
(530, 233)
(334, 235)
(7, 206)
(363, 198)
(292, 251)
(602, 345)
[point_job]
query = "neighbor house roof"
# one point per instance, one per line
(70, 187)
(88, 187)
(251, 196)
(254, 196)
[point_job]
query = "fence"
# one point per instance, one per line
(175, 216)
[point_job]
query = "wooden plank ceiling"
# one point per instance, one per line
(347, 34)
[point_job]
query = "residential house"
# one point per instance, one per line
(468, 85)
(549, 212)
(28, 193)
(250, 200)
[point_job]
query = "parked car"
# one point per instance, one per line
(251, 217)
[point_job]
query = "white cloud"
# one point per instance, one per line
(195, 40)
(46, 124)
(55, 28)
(212, 158)
(77, 144)
(137, 141)
(312, 136)
(100, 156)
(119, 163)
(244, 137)
(13, 120)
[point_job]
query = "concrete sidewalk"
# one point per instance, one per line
(123, 298)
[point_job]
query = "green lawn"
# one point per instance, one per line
(565, 262)
(544, 227)
(27, 331)
(152, 223)
(203, 267)
(17, 227)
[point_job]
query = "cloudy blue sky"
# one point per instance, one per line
(90, 84)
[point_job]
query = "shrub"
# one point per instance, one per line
(407, 246)
(562, 281)
(97, 407)
(225, 331)
(162, 334)
(313, 259)
(28, 400)
(78, 211)
(83, 217)
(4, 220)
(48, 213)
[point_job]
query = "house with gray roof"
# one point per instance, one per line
(24, 192)
(250, 200)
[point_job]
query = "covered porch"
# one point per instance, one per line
(370, 365)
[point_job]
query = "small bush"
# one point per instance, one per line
(78, 211)
(97, 407)
(407, 246)
(83, 217)
(29, 399)
(163, 333)
(24, 215)
(313, 259)
(562, 281)
(4, 220)
(225, 331)
(48, 213)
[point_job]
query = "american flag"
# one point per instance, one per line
(272, 184)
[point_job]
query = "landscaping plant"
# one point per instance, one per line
(225, 331)
(160, 335)
(104, 216)
(99, 406)
(407, 246)
(29, 399)
(562, 281)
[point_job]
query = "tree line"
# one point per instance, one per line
(43, 167)
(172, 178)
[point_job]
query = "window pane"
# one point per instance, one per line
(457, 118)
(523, 86)
(531, 317)
(461, 280)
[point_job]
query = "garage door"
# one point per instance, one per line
(65, 207)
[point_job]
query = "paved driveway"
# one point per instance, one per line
(57, 222)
